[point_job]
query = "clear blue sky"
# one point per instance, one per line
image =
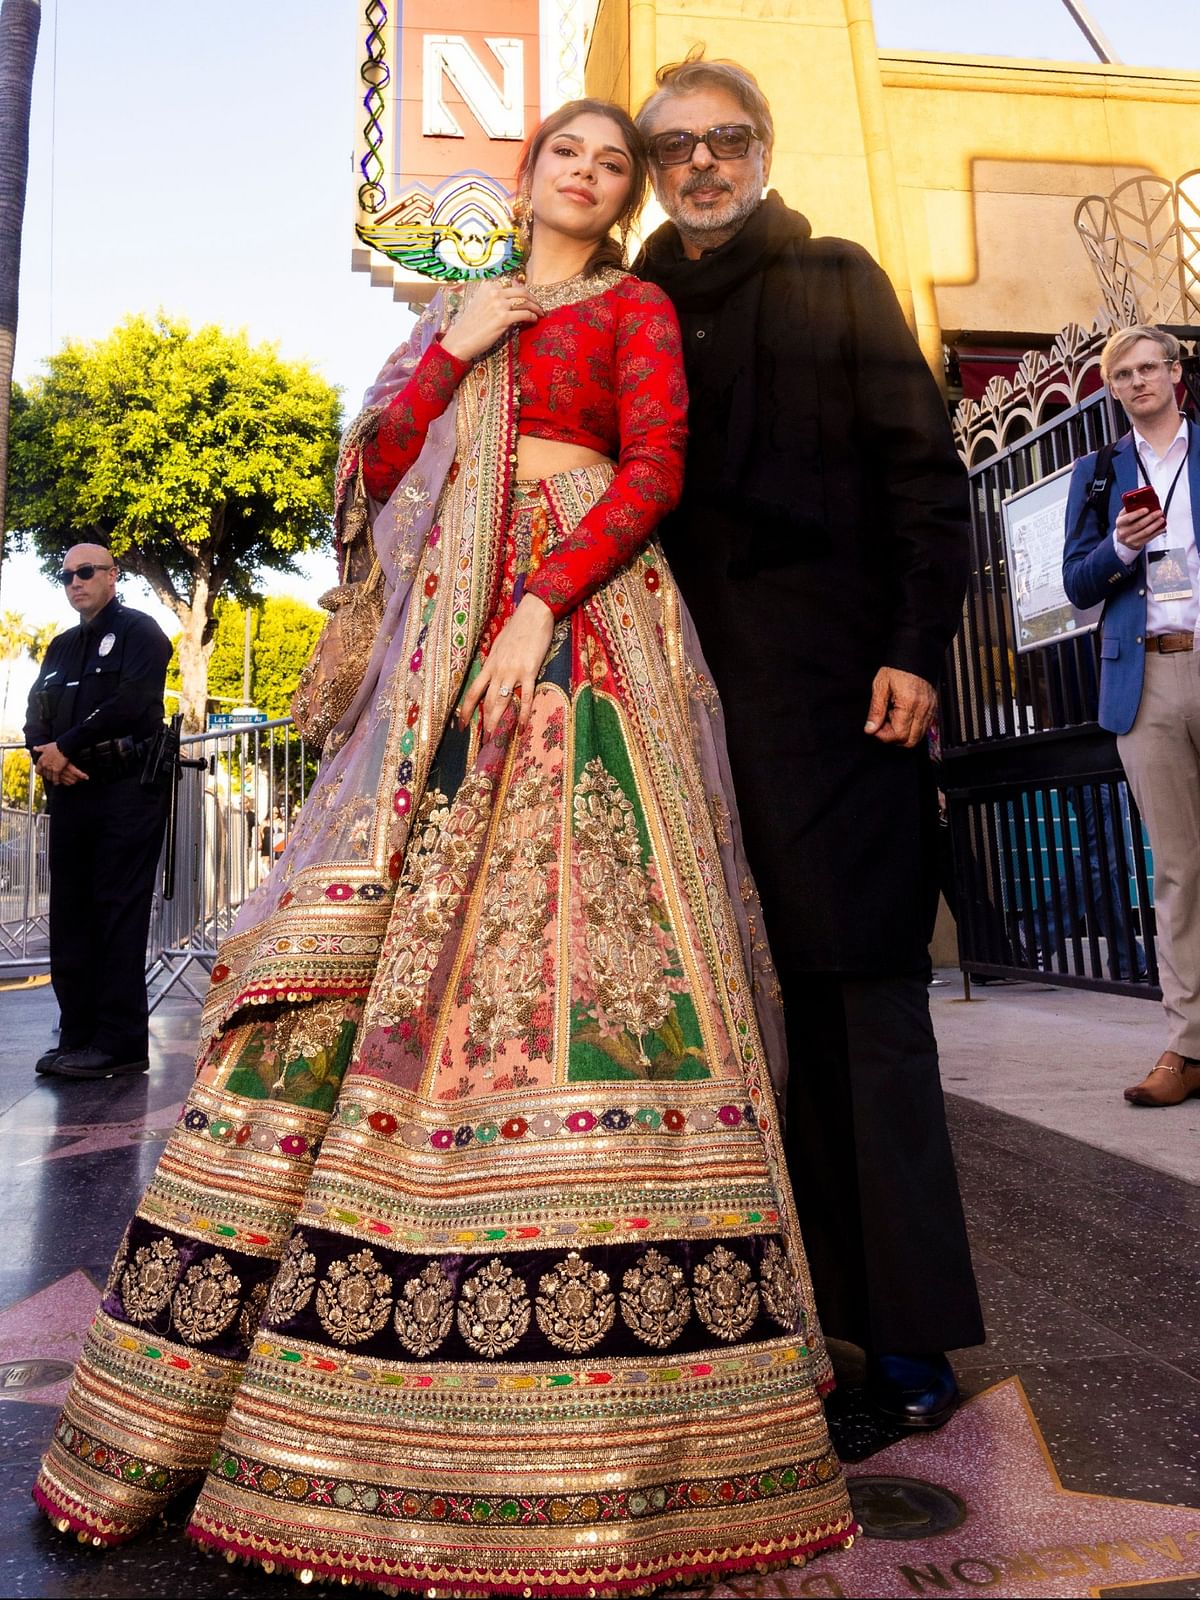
(198, 157)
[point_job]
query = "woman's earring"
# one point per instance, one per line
(522, 215)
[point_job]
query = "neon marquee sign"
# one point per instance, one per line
(444, 118)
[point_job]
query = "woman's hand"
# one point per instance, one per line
(512, 665)
(490, 311)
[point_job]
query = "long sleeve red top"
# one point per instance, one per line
(605, 373)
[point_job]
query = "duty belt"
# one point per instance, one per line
(114, 758)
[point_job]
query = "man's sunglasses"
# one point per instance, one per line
(728, 142)
(88, 570)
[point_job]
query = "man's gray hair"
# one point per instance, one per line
(687, 77)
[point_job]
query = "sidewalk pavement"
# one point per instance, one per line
(1061, 1057)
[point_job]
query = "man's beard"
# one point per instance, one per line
(723, 218)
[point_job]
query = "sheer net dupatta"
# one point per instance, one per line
(197, 1263)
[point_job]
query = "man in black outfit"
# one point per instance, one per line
(93, 714)
(821, 545)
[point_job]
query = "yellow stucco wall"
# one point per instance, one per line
(992, 158)
(960, 174)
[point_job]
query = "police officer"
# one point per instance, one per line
(93, 714)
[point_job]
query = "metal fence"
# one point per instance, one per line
(233, 816)
(1053, 872)
(24, 865)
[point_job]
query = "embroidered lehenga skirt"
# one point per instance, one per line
(487, 1280)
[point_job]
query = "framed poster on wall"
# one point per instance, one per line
(1035, 530)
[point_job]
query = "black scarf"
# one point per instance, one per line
(763, 345)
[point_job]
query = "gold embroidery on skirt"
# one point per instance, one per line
(494, 1310)
(310, 1031)
(294, 1282)
(780, 1291)
(354, 1299)
(435, 876)
(625, 957)
(726, 1295)
(655, 1301)
(252, 1312)
(575, 1307)
(207, 1300)
(149, 1280)
(425, 1311)
(507, 981)
(118, 1266)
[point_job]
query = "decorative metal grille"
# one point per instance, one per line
(1144, 242)
(1045, 384)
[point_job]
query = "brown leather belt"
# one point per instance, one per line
(1168, 643)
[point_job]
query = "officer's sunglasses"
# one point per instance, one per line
(89, 569)
(727, 142)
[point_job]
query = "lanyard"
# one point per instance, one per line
(1187, 436)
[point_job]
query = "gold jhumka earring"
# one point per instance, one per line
(522, 215)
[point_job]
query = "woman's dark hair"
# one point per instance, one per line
(609, 251)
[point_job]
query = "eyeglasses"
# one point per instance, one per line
(88, 570)
(728, 142)
(1144, 370)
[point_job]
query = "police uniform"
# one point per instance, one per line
(99, 697)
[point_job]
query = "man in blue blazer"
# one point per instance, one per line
(1142, 560)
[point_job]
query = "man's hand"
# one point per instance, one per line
(54, 767)
(902, 707)
(1135, 529)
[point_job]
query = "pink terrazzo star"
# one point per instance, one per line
(89, 1138)
(41, 1337)
(1023, 1534)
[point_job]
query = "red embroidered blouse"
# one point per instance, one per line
(605, 373)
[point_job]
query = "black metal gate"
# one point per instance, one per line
(1053, 875)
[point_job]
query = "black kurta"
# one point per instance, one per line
(822, 535)
(836, 545)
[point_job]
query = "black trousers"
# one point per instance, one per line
(872, 1168)
(105, 840)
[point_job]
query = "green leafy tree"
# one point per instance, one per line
(198, 459)
(19, 638)
(287, 631)
(14, 784)
(282, 634)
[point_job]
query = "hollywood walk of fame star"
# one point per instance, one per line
(89, 1138)
(42, 1335)
(1023, 1534)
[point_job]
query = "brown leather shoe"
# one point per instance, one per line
(1171, 1080)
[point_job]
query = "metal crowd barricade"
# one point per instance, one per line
(234, 816)
(24, 867)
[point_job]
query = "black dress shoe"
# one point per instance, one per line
(45, 1062)
(91, 1064)
(912, 1391)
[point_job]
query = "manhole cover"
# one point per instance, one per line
(904, 1508)
(21, 1376)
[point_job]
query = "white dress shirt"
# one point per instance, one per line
(1169, 616)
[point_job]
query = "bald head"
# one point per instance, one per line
(89, 595)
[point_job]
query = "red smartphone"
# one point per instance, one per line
(1141, 499)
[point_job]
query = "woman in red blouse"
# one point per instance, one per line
(471, 1267)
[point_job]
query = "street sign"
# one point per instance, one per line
(235, 719)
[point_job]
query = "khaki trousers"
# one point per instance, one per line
(1161, 757)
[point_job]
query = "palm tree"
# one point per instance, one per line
(19, 24)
